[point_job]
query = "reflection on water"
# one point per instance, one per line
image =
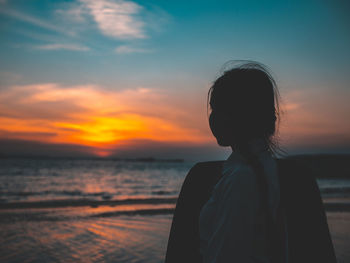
(125, 239)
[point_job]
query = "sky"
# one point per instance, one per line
(115, 78)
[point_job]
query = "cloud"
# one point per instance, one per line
(125, 49)
(14, 147)
(71, 47)
(306, 121)
(91, 116)
(118, 19)
(75, 12)
(35, 21)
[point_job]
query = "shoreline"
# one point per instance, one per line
(329, 205)
(86, 202)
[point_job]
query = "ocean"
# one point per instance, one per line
(72, 210)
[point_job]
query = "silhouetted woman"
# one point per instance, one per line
(249, 208)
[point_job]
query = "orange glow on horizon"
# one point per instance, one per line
(90, 117)
(107, 120)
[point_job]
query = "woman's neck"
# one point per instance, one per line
(253, 146)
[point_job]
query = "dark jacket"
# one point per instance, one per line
(308, 235)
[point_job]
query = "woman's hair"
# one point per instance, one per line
(246, 96)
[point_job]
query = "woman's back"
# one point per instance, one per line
(309, 239)
(234, 223)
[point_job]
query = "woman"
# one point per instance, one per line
(242, 210)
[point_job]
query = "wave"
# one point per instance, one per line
(160, 211)
(102, 195)
(36, 215)
(57, 193)
(109, 195)
(71, 193)
(39, 216)
(26, 216)
(85, 202)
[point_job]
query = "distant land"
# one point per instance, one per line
(325, 165)
(138, 159)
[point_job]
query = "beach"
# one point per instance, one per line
(339, 226)
(134, 238)
(122, 239)
(107, 211)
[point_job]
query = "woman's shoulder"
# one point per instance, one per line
(202, 175)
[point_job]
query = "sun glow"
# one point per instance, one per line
(106, 129)
(92, 117)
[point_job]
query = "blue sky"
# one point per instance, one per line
(179, 47)
(300, 37)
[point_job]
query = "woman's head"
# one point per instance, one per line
(244, 105)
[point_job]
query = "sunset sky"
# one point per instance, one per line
(130, 78)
